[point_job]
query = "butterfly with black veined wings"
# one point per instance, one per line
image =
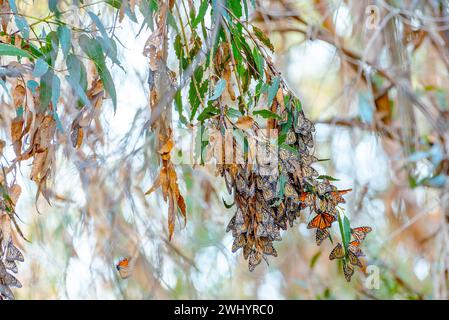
(124, 267)
(354, 248)
(12, 253)
(336, 196)
(321, 235)
(337, 252)
(348, 271)
(322, 220)
(360, 233)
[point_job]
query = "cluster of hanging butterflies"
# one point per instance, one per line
(9, 256)
(268, 197)
(353, 252)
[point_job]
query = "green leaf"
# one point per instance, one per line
(233, 113)
(219, 88)
(114, 3)
(56, 88)
(64, 35)
(178, 105)
(197, 92)
(53, 5)
(347, 230)
(78, 90)
(263, 38)
(315, 259)
(32, 85)
(106, 42)
(235, 7)
(266, 114)
(207, 113)
(77, 78)
(20, 21)
(94, 51)
(325, 177)
(289, 148)
(40, 68)
(92, 48)
(201, 13)
(273, 89)
(45, 90)
(10, 50)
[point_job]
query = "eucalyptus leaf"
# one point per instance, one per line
(40, 68)
(219, 88)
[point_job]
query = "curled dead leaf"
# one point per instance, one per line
(244, 122)
(18, 95)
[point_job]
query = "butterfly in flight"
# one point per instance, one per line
(321, 221)
(124, 267)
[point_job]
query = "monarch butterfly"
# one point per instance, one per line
(6, 292)
(270, 250)
(291, 137)
(10, 265)
(353, 259)
(360, 233)
(255, 258)
(12, 253)
(307, 139)
(321, 221)
(336, 196)
(354, 248)
(11, 281)
(308, 171)
(320, 236)
(308, 159)
(2, 270)
(307, 199)
(261, 231)
(348, 271)
(268, 194)
(231, 224)
(285, 154)
(337, 252)
(239, 242)
(124, 267)
(290, 191)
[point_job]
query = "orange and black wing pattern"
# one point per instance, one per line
(322, 221)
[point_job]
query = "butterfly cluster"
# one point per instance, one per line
(351, 255)
(269, 198)
(9, 256)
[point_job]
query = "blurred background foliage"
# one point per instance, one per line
(373, 77)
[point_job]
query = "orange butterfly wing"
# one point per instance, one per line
(321, 221)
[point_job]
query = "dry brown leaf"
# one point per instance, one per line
(244, 122)
(15, 192)
(156, 185)
(16, 129)
(37, 169)
(18, 95)
(167, 147)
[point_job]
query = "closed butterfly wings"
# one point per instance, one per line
(13, 254)
(9, 257)
(353, 251)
